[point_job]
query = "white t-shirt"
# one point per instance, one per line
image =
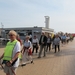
(35, 40)
(27, 44)
(48, 40)
(17, 48)
(67, 37)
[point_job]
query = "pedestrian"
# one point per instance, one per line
(67, 39)
(20, 54)
(42, 43)
(57, 43)
(27, 51)
(11, 54)
(48, 43)
(53, 46)
(63, 39)
(18, 38)
(35, 42)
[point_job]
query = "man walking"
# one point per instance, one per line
(42, 43)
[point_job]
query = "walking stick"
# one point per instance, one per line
(10, 67)
(12, 71)
(1, 65)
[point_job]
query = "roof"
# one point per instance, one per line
(28, 28)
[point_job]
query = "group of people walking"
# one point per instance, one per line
(15, 50)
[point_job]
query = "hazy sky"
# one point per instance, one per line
(29, 13)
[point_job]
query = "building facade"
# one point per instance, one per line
(31, 31)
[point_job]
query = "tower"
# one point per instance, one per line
(47, 21)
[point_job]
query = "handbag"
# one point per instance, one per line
(30, 52)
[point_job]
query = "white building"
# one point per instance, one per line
(30, 31)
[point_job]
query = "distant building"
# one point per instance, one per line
(30, 31)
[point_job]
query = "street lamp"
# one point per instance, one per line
(2, 26)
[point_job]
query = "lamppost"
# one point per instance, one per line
(2, 26)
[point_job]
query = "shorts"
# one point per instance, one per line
(10, 70)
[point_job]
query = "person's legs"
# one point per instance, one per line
(7, 74)
(62, 41)
(12, 70)
(6, 70)
(44, 51)
(30, 58)
(41, 48)
(55, 48)
(25, 56)
(36, 49)
(47, 47)
(53, 45)
(58, 48)
(33, 50)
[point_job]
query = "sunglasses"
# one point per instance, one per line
(10, 35)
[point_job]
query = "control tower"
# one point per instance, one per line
(47, 21)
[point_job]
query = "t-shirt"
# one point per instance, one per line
(27, 44)
(56, 41)
(67, 37)
(63, 37)
(48, 40)
(17, 48)
(35, 40)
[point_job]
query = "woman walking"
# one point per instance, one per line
(27, 51)
(11, 54)
(48, 43)
(57, 43)
(35, 44)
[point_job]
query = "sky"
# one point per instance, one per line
(30, 13)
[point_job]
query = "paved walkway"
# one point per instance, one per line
(60, 63)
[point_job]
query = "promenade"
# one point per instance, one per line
(60, 63)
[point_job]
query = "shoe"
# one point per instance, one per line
(58, 50)
(39, 57)
(54, 52)
(46, 50)
(32, 62)
(49, 50)
(23, 65)
(44, 56)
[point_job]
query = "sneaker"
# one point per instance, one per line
(44, 56)
(39, 57)
(58, 50)
(54, 52)
(32, 62)
(23, 65)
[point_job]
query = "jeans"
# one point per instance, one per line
(57, 46)
(35, 47)
(48, 46)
